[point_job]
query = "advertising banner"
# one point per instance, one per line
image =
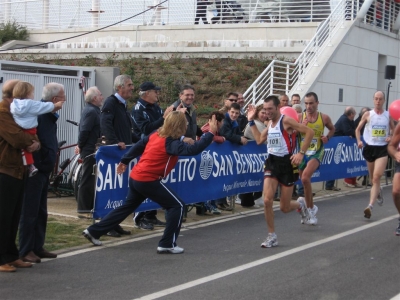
(220, 170)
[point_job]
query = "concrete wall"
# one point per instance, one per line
(357, 66)
(272, 39)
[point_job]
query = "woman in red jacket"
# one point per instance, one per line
(159, 155)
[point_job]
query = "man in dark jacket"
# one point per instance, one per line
(148, 117)
(231, 132)
(32, 226)
(116, 123)
(186, 99)
(345, 126)
(230, 128)
(89, 133)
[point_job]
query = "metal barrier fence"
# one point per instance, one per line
(39, 75)
(58, 14)
(282, 77)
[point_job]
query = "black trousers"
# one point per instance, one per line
(87, 186)
(33, 223)
(11, 196)
(138, 192)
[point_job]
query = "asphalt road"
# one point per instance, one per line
(344, 257)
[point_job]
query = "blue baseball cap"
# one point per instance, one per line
(148, 85)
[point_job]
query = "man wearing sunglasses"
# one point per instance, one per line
(229, 99)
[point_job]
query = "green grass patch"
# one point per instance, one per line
(62, 234)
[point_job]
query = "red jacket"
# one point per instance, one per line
(160, 155)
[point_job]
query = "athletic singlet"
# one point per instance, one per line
(280, 142)
(377, 129)
(318, 127)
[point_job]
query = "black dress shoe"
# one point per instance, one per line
(113, 233)
(45, 254)
(121, 231)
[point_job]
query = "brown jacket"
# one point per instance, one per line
(12, 140)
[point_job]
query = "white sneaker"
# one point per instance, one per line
(91, 239)
(271, 241)
(380, 198)
(303, 211)
(312, 218)
(174, 250)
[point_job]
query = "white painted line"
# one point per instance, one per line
(259, 262)
(158, 232)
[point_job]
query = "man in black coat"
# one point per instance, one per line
(116, 123)
(89, 133)
(345, 126)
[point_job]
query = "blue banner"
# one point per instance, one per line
(342, 159)
(219, 171)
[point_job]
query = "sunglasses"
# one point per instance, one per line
(232, 100)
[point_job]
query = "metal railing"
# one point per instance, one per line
(59, 14)
(282, 77)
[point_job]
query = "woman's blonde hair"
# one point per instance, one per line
(175, 125)
(22, 90)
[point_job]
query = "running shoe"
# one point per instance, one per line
(312, 216)
(397, 232)
(303, 211)
(174, 250)
(91, 239)
(380, 198)
(368, 212)
(271, 241)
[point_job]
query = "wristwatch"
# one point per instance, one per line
(302, 152)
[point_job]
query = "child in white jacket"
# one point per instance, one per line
(25, 112)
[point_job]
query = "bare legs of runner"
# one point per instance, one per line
(375, 170)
